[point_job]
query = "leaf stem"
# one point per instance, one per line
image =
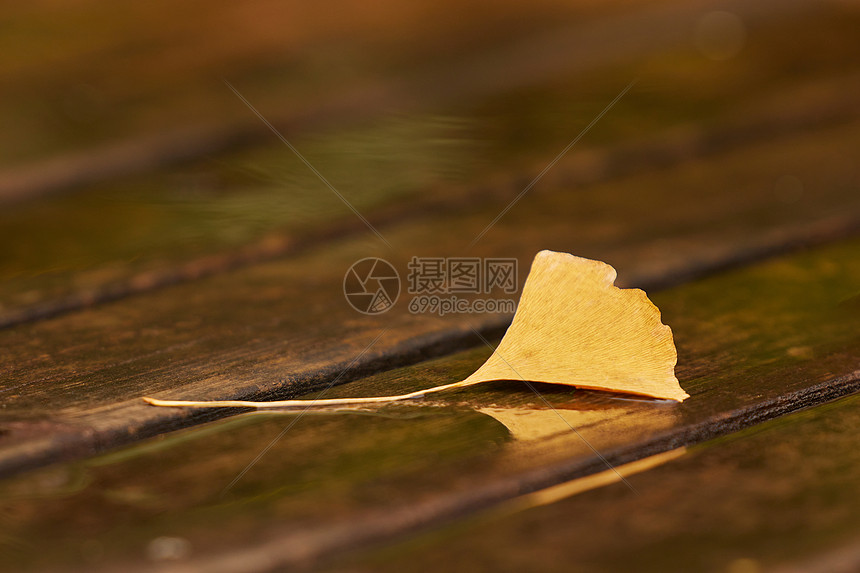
(301, 403)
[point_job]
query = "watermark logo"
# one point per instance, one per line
(371, 285)
(453, 275)
(439, 285)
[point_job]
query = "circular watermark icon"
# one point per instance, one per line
(371, 285)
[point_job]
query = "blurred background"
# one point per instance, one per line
(670, 138)
(124, 152)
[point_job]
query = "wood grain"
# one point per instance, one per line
(777, 497)
(130, 233)
(157, 244)
(754, 344)
(283, 328)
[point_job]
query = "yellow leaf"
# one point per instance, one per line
(573, 327)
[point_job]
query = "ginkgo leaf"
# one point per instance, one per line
(573, 326)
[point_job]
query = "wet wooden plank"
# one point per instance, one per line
(781, 496)
(66, 90)
(274, 330)
(136, 233)
(754, 343)
(60, 258)
(283, 328)
(114, 82)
